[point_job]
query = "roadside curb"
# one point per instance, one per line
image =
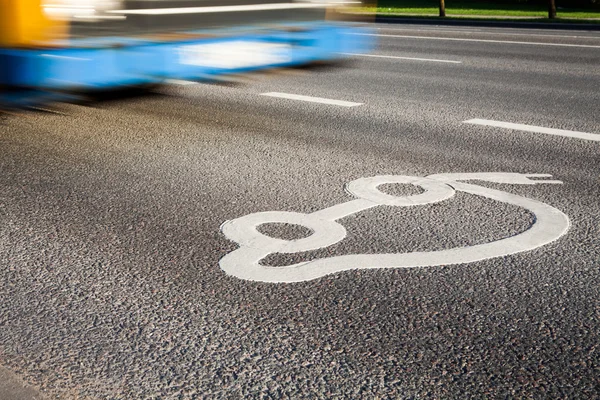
(485, 23)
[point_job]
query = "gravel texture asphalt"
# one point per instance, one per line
(110, 234)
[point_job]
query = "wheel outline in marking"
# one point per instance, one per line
(244, 262)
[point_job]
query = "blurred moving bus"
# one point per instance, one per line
(55, 48)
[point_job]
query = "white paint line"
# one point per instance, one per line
(180, 82)
(220, 9)
(402, 58)
(537, 129)
(479, 40)
(539, 35)
(66, 57)
(482, 32)
(95, 18)
(312, 99)
(244, 263)
(430, 30)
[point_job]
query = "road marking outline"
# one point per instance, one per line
(536, 129)
(244, 263)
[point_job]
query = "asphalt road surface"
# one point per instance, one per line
(111, 221)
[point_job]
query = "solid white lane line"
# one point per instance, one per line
(402, 58)
(536, 129)
(540, 35)
(180, 82)
(480, 40)
(490, 33)
(430, 30)
(311, 99)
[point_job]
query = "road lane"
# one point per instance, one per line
(511, 83)
(111, 238)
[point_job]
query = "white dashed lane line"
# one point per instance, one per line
(536, 129)
(402, 58)
(180, 82)
(311, 99)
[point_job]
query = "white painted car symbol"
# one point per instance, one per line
(244, 263)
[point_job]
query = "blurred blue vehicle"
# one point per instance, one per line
(55, 48)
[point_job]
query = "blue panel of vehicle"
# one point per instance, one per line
(110, 63)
